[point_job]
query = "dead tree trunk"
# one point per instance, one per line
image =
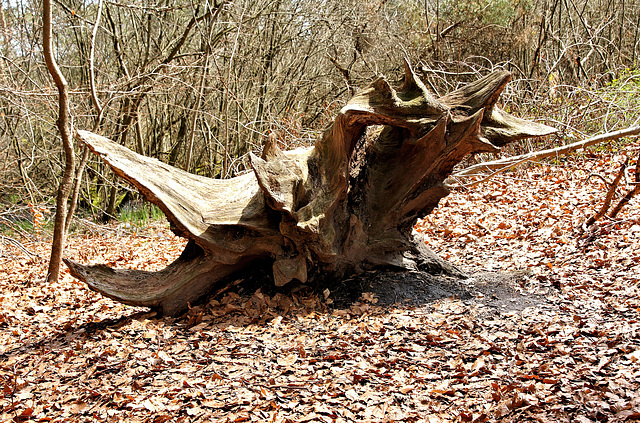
(346, 205)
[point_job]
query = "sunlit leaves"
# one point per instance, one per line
(68, 354)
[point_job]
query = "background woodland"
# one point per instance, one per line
(200, 85)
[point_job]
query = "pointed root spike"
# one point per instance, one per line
(501, 128)
(271, 151)
(436, 134)
(413, 85)
(480, 94)
(466, 131)
(483, 145)
(382, 87)
(411, 81)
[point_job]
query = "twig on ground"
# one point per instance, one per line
(17, 244)
(633, 191)
(100, 229)
(597, 175)
(6, 222)
(609, 197)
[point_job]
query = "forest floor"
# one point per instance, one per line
(547, 328)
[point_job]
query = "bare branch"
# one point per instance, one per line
(64, 126)
(607, 200)
(498, 166)
(632, 192)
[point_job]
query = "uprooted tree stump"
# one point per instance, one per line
(344, 206)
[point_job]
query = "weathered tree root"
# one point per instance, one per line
(346, 205)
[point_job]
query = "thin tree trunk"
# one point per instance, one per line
(3, 27)
(64, 127)
(75, 192)
(139, 140)
(194, 120)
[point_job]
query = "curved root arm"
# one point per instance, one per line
(170, 290)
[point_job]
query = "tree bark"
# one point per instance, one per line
(64, 126)
(344, 206)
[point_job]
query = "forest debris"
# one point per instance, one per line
(67, 353)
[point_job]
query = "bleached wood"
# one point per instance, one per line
(346, 205)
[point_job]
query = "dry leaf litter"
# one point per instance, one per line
(70, 355)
